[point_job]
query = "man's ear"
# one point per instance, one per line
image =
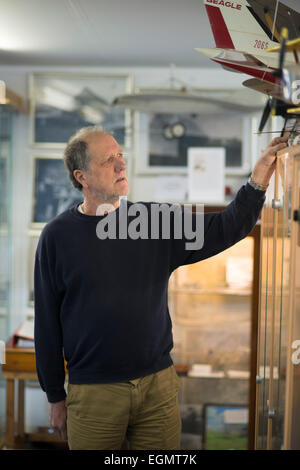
(80, 176)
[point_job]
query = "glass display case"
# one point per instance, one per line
(6, 116)
(278, 365)
(214, 305)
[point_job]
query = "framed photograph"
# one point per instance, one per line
(53, 192)
(62, 103)
(225, 427)
(162, 140)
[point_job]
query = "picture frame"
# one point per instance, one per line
(225, 426)
(52, 190)
(62, 103)
(233, 132)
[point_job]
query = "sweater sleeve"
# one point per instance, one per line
(47, 327)
(220, 230)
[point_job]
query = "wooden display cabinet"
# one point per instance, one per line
(214, 309)
(278, 366)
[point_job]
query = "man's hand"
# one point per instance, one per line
(266, 163)
(58, 418)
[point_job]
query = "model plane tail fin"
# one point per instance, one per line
(235, 25)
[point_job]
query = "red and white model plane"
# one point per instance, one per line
(245, 31)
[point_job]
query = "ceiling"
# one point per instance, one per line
(106, 33)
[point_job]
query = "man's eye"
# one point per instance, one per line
(112, 158)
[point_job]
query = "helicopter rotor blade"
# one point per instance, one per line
(284, 37)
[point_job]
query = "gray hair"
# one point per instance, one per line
(76, 155)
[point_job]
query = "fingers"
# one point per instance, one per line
(278, 147)
(62, 432)
(58, 419)
(278, 140)
(277, 144)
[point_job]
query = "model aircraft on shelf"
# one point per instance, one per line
(247, 38)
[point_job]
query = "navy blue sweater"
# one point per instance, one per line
(102, 303)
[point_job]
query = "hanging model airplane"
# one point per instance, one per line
(247, 38)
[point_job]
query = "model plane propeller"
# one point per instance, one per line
(275, 106)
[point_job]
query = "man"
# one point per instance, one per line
(101, 302)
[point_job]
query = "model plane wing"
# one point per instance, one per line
(270, 89)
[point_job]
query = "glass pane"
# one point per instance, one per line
(274, 309)
(281, 301)
(5, 237)
(5, 220)
(210, 307)
(295, 351)
(264, 323)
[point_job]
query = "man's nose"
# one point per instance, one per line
(121, 165)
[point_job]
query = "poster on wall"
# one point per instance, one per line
(62, 103)
(206, 174)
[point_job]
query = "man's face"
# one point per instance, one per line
(106, 176)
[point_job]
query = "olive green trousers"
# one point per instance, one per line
(145, 411)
